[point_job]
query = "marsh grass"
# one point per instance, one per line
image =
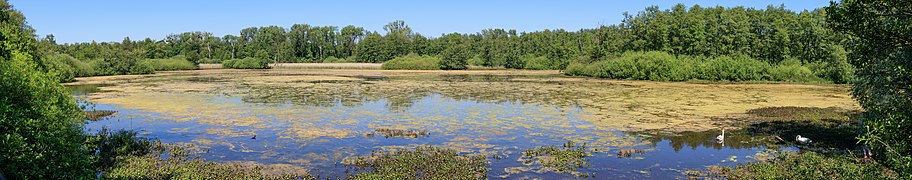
(808, 165)
(95, 115)
(407, 133)
(172, 161)
(568, 158)
(424, 162)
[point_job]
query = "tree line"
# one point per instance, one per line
(771, 35)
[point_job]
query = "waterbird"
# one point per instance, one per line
(254, 137)
(721, 137)
(802, 140)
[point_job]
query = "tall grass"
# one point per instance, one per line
(412, 62)
(661, 66)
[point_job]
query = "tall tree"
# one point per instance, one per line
(883, 53)
(41, 132)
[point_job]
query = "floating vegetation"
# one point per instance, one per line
(95, 115)
(317, 117)
(803, 113)
(566, 159)
(175, 161)
(406, 133)
(424, 162)
(629, 152)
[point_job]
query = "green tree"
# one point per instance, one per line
(883, 53)
(40, 133)
(455, 56)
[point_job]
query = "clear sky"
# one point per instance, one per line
(87, 20)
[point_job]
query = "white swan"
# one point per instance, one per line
(802, 140)
(721, 138)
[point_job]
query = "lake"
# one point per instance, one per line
(318, 118)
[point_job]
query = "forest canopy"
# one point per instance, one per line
(769, 36)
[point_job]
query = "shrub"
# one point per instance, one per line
(513, 61)
(455, 57)
(59, 65)
(40, 125)
(727, 68)
(170, 64)
(413, 62)
(661, 66)
(142, 67)
(537, 62)
(791, 70)
(246, 63)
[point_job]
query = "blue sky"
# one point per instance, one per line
(83, 21)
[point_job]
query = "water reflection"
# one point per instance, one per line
(318, 123)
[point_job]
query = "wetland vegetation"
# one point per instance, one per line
(516, 114)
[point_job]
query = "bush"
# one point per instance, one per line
(142, 67)
(413, 62)
(170, 64)
(661, 66)
(59, 65)
(727, 68)
(246, 63)
(791, 70)
(537, 62)
(40, 125)
(455, 57)
(513, 61)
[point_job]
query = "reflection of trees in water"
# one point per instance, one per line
(737, 139)
(401, 95)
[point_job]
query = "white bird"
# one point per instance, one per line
(721, 138)
(802, 140)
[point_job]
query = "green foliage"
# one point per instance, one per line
(80, 68)
(170, 64)
(369, 49)
(513, 61)
(413, 62)
(59, 64)
(661, 66)
(455, 57)
(40, 129)
(142, 67)
(883, 84)
(420, 163)
(164, 161)
(246, 63)
(537, 63)
(791, 70)
(808, 165)
(566, 159)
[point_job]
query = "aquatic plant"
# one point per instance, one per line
(425, 162)
(565, 159)
(800, 166)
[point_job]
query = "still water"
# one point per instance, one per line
(318, 128)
